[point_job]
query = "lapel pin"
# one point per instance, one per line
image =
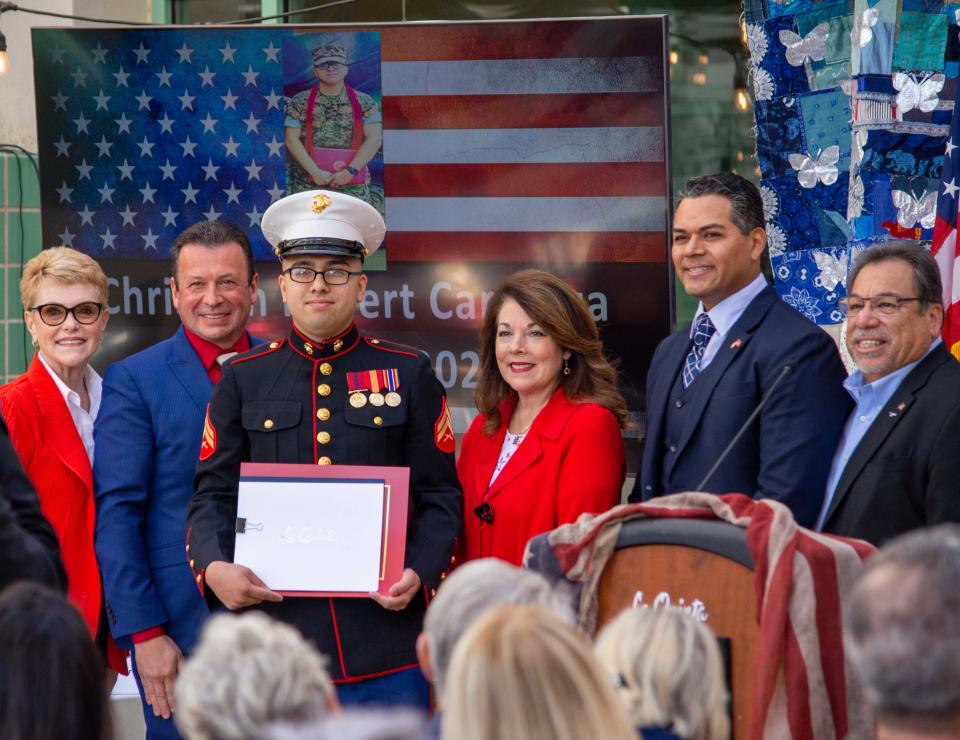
(900, 407)
(736, 344)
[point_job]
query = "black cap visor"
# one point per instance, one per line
(317, 245)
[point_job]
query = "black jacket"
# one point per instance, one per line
(905, 473)
(29, 549)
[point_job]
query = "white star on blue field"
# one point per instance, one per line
(145, 133)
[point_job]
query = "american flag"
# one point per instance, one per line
(944, 247)
(143, 133)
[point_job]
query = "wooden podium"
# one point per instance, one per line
(702, 567)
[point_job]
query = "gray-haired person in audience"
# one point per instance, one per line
(250, 672)
(669, 673)
(466, 595)
(902, 635)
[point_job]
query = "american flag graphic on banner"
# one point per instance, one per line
(944, 247)
(498, 144)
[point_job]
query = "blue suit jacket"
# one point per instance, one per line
(147, 438)
(786, 452)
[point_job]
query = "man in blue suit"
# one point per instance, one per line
(147, 438)
(705, 381)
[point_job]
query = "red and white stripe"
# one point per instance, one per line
(502, 145)
(944, 251)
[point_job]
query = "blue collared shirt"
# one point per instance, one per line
(725, 314)
(870, 399)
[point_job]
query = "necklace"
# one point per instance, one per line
(518, 436)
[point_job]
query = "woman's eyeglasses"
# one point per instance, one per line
(53, 314)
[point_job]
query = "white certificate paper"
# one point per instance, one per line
(303, 535)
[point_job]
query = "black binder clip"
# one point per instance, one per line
(242, 525)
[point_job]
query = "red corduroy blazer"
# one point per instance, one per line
(52, 454)
(571, 461)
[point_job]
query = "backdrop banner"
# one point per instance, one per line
(505, 145)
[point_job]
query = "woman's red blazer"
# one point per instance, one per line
(571, 461)
(52, 454)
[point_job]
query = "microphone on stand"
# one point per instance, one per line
(787, 369)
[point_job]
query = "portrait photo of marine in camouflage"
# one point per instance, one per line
(333, 131)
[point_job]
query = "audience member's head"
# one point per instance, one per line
(465, 596)
(248, 672)
(669, 672)
(521, 672)
(52, 678)
(902, 634)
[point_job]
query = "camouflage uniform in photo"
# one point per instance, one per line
(332, 127)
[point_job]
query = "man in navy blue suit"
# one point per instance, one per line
(147, 439)
(706, 380)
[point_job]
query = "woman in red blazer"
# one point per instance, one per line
(50, 412)
(546, 446)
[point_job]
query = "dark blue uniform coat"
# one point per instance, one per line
(300, 386)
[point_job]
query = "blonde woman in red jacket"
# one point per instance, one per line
(50, 412)
(546, 446)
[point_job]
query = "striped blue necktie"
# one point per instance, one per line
(703, 330)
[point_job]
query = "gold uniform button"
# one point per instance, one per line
(191, 563)
(268, 424)
(378, 420)
(323, 438)
(323, 414)
(442, 576)
(274, 345)
(374, 341)
(324, 461)
(188, 548)
(199, 578)
(323, 389)
(433, 592)
(326, 368)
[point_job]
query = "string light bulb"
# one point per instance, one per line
(4, 62)
(741, 99)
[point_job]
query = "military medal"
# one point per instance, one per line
(373, 383)
(376, 385)
(392, 378)
(358, 400)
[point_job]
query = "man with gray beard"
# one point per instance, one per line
(898, 462)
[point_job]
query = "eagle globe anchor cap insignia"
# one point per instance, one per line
(320, 202)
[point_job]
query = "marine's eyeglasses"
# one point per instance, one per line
(332, 276)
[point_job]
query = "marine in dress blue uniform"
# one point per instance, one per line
(312, 399)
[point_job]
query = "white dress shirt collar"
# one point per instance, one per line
(82, 418)
(726, 313)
